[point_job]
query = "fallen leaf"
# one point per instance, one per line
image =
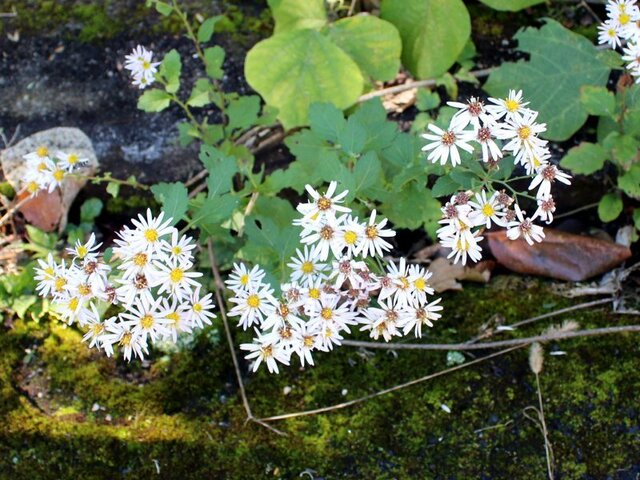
(562, 255)
(399, 102)
(447, 276)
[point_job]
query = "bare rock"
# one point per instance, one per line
(49, 210)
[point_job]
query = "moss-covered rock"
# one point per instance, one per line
(179, 416)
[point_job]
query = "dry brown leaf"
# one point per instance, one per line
(561, 255)
(447, 276)
(399, 102)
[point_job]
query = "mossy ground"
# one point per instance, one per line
(180, 417)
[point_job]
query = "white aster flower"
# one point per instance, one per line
(418, 316)
(69, 161)
(140, 63)
(373, 241)
(419, 279)
(252, 306)
(462, 246)
(524, 227)
(608, 32)
(471, 112)
(323, 206)
(88, 250)
(176, 279)
(179, 248)
(546, 209)
(132, 343)
(485, 211)
(147, 319)
(546, 175)
(266, 348)
(444, 144)
(512, 108)
(199, 309)
(306, 267)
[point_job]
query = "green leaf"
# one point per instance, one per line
(372, 43)
(200, 95)
(510, 5)
(214, 58)
(610, 207)
(629, 182)
(427, 99)
(174, 198)
(464, 179)
(164, 8)
(433, 32)
(611, 58)
(295, 69)
(221, 170)
(624, 148)
(297, 14)
(412, 207)
(585, 159)
(213, 212)
(550, 82)
(636, 218)
(367, 172)
(113, 188)
(22, 303)
(206, 29)
(353, 137)
(326, 120)
(243, 112)
(598, 100)
(444, 186)
(170, 70)
(90, 209)
(154, 100)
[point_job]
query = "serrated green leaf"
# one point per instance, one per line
(243, 112)
(22, 303)
(170, 70)
(427, 99)
(551, 83)
(213, 59)
(598, 100)
(174, 198)
(90, 210)
(295, 69)
(464, 179)
(213, 212)
(353, 137)
(326, 120)
(433, 32)
(154, 100)
(444, 186)
(585, 159)
(611, 58)
(371, 42)
(367, 172)
(624, 148)
(610, 207)
(629, 182)
(221, 170)
(297, 14)
(207, 27)
(200, 94)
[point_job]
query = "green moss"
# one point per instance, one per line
(127, 203)
(182, 411)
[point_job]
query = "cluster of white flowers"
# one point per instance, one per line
(46, 171)
(622, 29)
(143, 69)
(153, 287)
(506, 126)
(331, 288)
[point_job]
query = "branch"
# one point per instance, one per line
(419, 83)
(498, 344)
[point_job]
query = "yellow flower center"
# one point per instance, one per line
(151, 235)
(326, 313)
(176, 250)
(73, 304)
(72, 159)
(624, 18)
(147, 321)
(307, 268)
(314, 293)
(82, 251)
(253, 300)
(267, 351)
(58, 175)
(524, 132)
(60, 283)
(244, 279)
(49, 271)
(324, 203)
(42, 151)
(512, 105)
(97, 329)
(350, 237)
(197, 307)
(33, 187)
(611, 32)
(309, 341)
(174, 317)
(371, 232)
(462, 245)
(420, 284)
(84, 290)
(140, 259)
(176, 275)
(404, 283)
(146, 65)
(125, 339)
(488, 210)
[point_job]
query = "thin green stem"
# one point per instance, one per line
(98, 179)
(577, 210)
